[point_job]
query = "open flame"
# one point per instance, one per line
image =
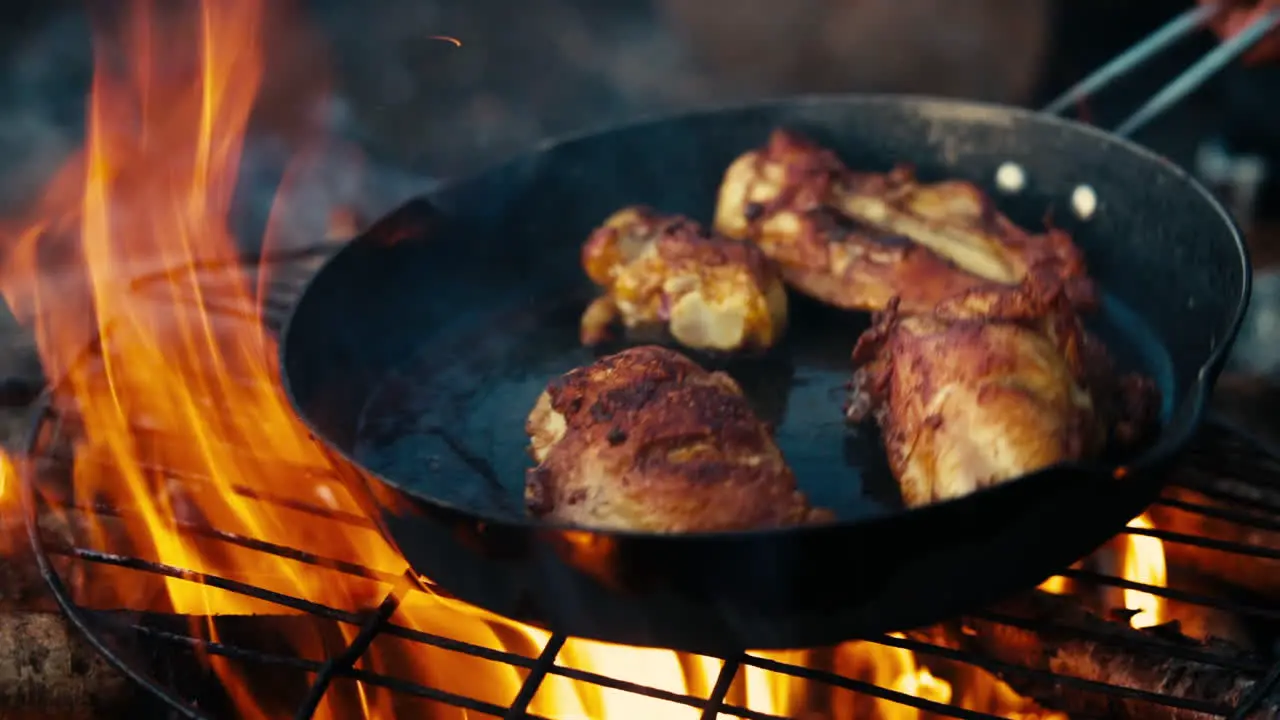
(1134, 557)
(1144, 563)
(175, 88)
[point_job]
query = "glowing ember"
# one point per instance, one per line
(174, 90)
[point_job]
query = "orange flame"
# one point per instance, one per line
(7, 491)
(174, 91)
(1144, 563)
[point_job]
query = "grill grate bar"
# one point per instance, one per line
(314, 666)
(748, 714)
(1227, 604)
(430, 693)
(347, 659)
(1088, 576)
(270, 548)
(925, 648)
(461, 646)
(529, 688)
(1257, 505)
(243, 491)
(200, 578)
(1250, 465)
(866, 688)
(724, 681)
(1219, 513)
(628, 686)
(1206, 543)
(232, 652)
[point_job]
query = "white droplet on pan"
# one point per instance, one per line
(1084, 201)
(325, 493)
(1010, 177)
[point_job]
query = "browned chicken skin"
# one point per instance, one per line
(857, 240)
(647, 440)
(711, 293)
(966, 400)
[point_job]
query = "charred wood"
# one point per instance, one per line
(1043, 645)
(47, 668)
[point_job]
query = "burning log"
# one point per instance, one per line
(47, 668)
(1051, 633)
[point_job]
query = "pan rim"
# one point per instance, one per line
(1187, 416)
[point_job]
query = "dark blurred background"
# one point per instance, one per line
(421, 108)
(534, 68)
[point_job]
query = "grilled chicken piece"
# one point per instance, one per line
(647, 440)
(965, 399)
(856, 240)
(711, 293)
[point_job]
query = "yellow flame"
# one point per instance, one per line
(7, 479)
(1144, 563)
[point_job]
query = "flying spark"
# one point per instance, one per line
(447, 38)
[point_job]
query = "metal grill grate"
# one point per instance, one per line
(1227, 481)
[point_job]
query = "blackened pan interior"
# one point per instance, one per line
(418, 350)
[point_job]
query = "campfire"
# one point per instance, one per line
(180, 424)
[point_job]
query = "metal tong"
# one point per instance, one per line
(1180, 87)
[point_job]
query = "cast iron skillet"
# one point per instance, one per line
(418, 350)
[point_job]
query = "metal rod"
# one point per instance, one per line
(866, 688)
(1236, 548)
(544, 664)
(231, 652)
(365, 676)
(1133, 58)
(737, 711)
(1197, 74)
(1172, 594)
(724, 681)
(1256, 505)
(628, 686)
(200, 578)
(346, 660)
(1001, 668)
(460, 646)
(248, 543)
(1239, 518)
(546, 660)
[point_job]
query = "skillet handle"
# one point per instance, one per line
(1180, 87)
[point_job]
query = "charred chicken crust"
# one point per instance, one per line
(647, 440)
(856, 240)
(965, 401)
(667, 271)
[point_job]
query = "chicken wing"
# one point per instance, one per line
(711, 293)
(856, 240)
(965, 399)
(647, 440)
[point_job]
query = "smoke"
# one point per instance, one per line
(42, 91)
